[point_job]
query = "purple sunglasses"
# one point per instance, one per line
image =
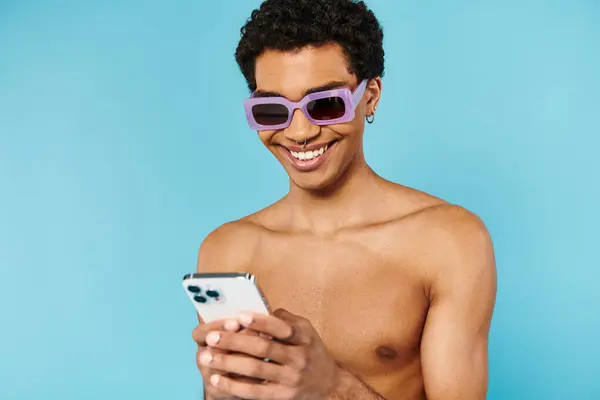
(322, 108)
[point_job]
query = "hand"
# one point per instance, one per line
(199, 336)
(300, 367)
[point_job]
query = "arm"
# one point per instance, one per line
(454, 348)
(223, 250)
(455, 340)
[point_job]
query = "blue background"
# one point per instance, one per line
(123, 143)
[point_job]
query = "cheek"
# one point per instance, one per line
(266, 136)
(351, 131)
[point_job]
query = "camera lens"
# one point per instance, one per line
(200, 299)
(194, 289)
(212, 293)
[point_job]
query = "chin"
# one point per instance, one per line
(317, 183)
(323, 179)
(313, 186)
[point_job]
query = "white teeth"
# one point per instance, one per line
(309, 155)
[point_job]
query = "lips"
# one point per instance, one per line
(309, 159)
(309, 154)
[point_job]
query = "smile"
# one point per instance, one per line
(309, 160)
(309, 155)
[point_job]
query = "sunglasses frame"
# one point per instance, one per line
(351, 100)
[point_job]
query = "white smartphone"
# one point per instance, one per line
(219, 296)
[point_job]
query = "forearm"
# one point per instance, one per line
(349, 387)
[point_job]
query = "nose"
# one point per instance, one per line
(301, 129)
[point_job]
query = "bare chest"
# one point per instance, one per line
(368, 307)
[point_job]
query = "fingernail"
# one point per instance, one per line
(246, 319)
(213, 338)
(231, 325)
(206, 358)
(215, 380)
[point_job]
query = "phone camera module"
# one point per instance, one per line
(213, 294)
(194, 289)
(200, 299)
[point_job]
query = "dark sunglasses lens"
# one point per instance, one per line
(270, 114)
(326, 109)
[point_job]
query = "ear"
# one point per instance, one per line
(373, 92)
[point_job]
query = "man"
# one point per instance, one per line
(381, 291)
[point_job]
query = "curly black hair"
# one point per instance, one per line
(293, 24)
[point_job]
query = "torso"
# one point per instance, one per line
(365, 291)
(367, 303)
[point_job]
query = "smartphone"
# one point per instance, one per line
(218, 296)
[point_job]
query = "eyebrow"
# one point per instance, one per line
(328, 86)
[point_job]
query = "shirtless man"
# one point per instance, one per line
(381, 291)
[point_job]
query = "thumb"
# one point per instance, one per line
(301, 328)
(285, 314)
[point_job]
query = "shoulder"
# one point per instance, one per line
(229, 247)
(449, 243)
(233, 245)
(453, 225)
(458, 232)
(461, 249)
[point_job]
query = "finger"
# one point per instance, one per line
(250, 391)
(250, 367)
(201, 349)
(302, 329)
(231, 325)
(255, 346)
(207, 372)
(199, 333)
(287, 327)
(244, 331)
(204, 346)
(247, 332)
(269, 325)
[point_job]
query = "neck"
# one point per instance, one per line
(347, 203)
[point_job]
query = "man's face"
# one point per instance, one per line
(329, 149)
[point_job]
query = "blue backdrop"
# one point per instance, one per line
(123, 143)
